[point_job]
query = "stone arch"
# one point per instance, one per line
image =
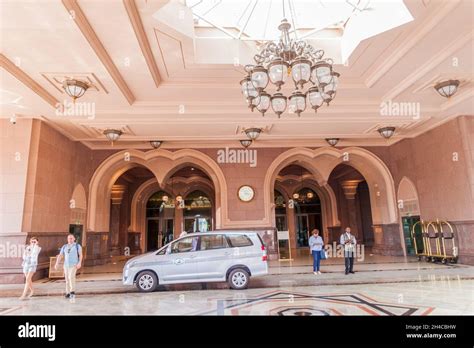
(322, 161)
(78, 204)
(162, 164)
(407, 195)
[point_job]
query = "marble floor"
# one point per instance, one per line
(439, 297)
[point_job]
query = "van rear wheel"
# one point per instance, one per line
(238, 279)
(147, 281)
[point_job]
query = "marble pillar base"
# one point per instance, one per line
(387, 240)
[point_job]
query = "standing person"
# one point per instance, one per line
(29, 264)
(72, 254)
(348, 241)
(316, 246)
(182, 234)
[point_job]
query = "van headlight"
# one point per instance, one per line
(130, 263)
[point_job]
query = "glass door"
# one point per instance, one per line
(153, 234)
(408, 222)
(302, 230)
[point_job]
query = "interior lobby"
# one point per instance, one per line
(130, 130)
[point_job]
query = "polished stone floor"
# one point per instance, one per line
(381, 286)
(437, 297)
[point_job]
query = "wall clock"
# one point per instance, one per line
(246, 193)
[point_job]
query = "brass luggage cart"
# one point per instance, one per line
(418, 237)
(435, 242)
(449, 249)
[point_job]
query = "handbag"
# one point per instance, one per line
(324, 255)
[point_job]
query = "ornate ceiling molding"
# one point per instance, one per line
(83, 24)
(140, 33)
(24, 78)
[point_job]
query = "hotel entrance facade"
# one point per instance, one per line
(128, 201)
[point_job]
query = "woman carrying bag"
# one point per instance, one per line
(316, 245)
(30, 262)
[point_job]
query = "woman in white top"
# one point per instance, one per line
(316, 245)
(30, 262)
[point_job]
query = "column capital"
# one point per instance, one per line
(117, 194)
(350, 188)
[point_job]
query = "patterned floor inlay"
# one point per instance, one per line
(297, 303)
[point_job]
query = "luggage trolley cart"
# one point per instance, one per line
(432, 242)
(449, 248)
(418, 238)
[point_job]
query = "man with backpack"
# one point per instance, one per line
(72, 254)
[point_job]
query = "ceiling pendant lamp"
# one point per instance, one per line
(113, 134)
(332, 141)
(447, 88)
(246, 142)
(155, 143)
(386, 132)
(75, 88)
(253, 133)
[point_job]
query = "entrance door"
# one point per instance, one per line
(408, 222)
(153, 234)
(159, 232)
(302, 230)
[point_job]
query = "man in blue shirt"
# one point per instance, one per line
(72, 254)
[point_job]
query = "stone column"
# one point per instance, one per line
(350, 189)
(114, 232)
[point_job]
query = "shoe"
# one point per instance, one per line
(22, 298)
(347, 273)
(73, 294)
(351, 272)
(319, 272)
(68, 295)
(315, 273)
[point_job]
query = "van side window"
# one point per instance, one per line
(210, 242)
(185, 245)
(239, 240)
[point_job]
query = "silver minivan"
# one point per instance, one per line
(219, 256)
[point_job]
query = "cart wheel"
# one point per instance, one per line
(419, 258)
(444, 261)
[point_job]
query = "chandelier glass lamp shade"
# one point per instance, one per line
(332, 141)
(297, 103)
(278, 102)
(179, 198)
(253, 133)
(246, 142)
(155, 143)
(75, 88)
(296, 195)
(315, 81)
(447, 88)
(113, 134)
(263, 102)
(386, 132)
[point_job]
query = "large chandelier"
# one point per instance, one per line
(276, 62)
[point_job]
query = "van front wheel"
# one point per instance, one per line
(238, 279)
(147, 281)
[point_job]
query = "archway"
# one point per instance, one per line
(409, 208)
(162, 163)
(321, 162)
(78, 205)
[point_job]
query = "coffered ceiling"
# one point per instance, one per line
(158, 73)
